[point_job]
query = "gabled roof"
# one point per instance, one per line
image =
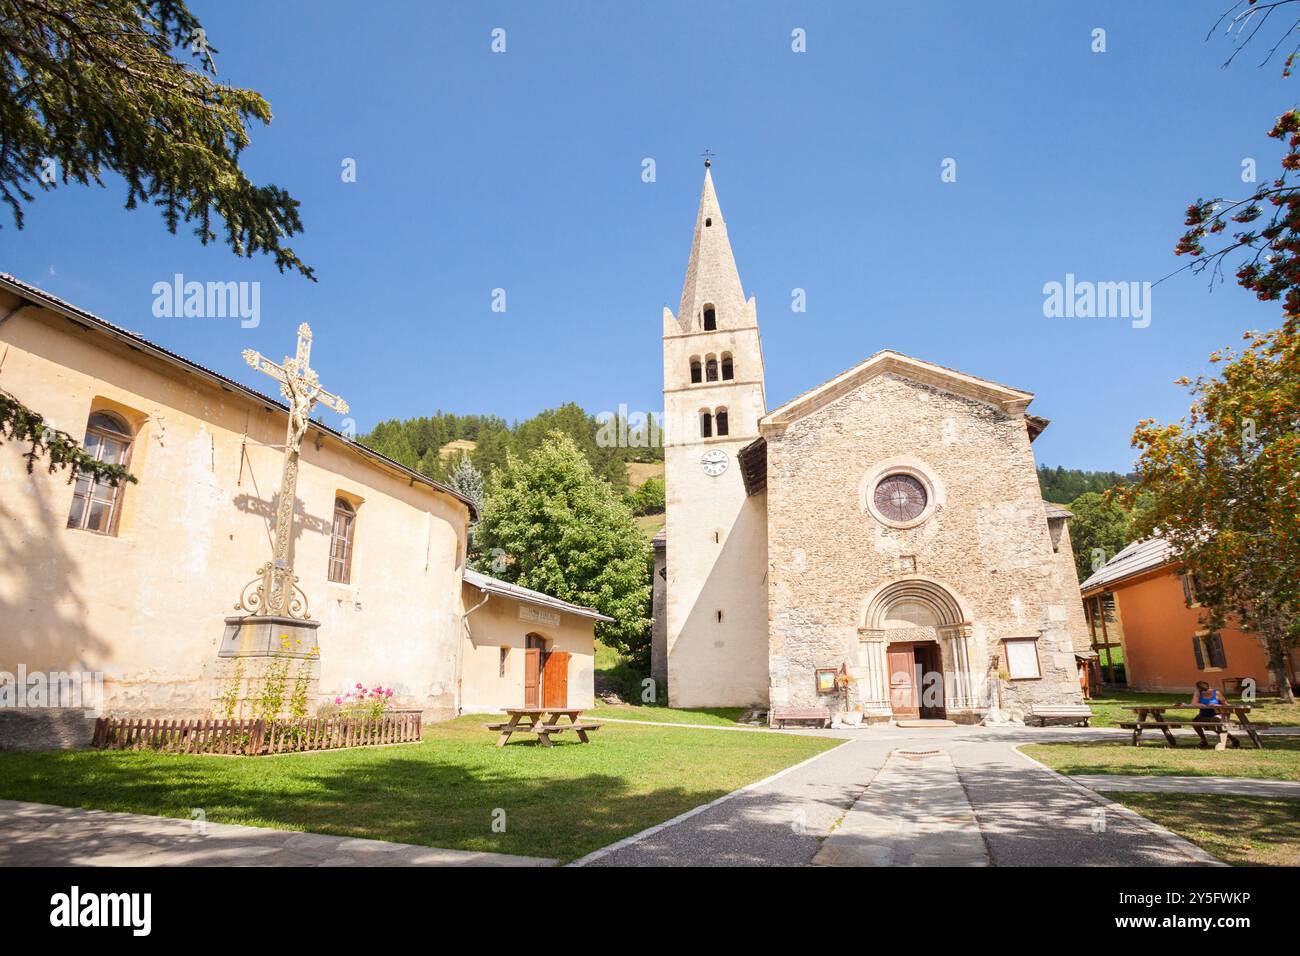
(527, 595)
(1133, 559)
(138, 342)
(1057, 511)
(1013, 401)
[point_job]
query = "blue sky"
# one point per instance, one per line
(522, 171)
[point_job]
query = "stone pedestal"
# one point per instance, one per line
(257, 651)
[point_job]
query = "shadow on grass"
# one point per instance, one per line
(561, 803)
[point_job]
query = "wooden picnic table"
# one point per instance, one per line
(1153, 716)
(542, 721)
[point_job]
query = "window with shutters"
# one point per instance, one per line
(1190, 589)
(711, 369)
(706, 424)
(1208, 650)
(341, 541)
(96, 504)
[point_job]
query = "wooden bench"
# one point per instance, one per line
(781, 716)
(543, 731)
(1166, 727)
(1073, 714)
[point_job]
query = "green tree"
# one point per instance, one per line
(92, 86)
(1099, 529)
(556, 527)
(1222, 486)
(19, 423)
(572, 420)
(648, 499)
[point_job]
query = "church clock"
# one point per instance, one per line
(714, 462)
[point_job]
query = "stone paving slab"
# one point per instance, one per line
(1241, 786)
(914, 813)
(38, 834)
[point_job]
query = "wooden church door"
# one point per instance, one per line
(902, 691)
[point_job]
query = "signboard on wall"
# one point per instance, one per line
(539, 616)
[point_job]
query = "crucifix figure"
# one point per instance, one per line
(276, 592)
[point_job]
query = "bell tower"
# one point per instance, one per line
(716, 593)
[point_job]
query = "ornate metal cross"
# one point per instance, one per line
(275, 591)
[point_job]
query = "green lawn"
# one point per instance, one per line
(704, 716)
(1243, 831)
(1279, 760)
(563, 802)
(1111, 709)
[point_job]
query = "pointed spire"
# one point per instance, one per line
(711, 275)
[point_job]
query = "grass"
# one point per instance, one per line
(1111, 709)
(704, 716)
(1243, 831)
(1279, 760)
(561, 803)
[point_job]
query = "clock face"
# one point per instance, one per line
(714, 462)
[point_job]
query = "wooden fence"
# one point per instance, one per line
(254, 737)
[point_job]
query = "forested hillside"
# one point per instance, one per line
(1063, 485)
(420, 443)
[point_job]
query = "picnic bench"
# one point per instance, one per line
(1152, 717)
(780, 716)
(1071, 714)
(542, 721)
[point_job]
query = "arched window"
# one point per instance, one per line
(710, 319)
(711, 369)
(706, 425)
(728, 373)
(721, 418)
(341, 538)
(697, 375)
(96, 505)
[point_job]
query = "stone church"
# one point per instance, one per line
(877, 545)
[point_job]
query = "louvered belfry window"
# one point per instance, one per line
(900, 498)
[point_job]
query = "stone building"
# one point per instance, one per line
(885, 528)
(135, 584)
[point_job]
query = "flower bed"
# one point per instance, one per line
(254, 737)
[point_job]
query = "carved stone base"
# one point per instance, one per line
(261, 653)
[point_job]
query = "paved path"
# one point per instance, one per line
(1245, 786)
(915, 813)
(37, 834)
(1023, 813)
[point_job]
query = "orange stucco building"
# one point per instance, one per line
(1146, 627)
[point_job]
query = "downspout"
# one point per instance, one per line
(460, 645)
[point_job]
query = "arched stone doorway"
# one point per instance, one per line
(914, 656)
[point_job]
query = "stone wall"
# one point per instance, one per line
(986, 544)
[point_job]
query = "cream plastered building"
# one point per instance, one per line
(137, 584)
(885, 528)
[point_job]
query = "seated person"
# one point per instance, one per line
(1206, 699)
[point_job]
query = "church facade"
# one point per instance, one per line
(877, 545)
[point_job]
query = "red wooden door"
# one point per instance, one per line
(902, 692)
(555, 680)
(532, 676)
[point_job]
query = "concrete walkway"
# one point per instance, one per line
(1243, 786)
(915, 813)
(1012, 811)
(37, 834)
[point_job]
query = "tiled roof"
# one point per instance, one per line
(1133, 559)
(136, 340)
(486, 583)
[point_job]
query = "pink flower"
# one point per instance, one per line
(358, 687)
(338, 700)
(389, 692)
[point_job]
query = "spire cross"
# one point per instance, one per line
(301, 388)
(708, 158)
